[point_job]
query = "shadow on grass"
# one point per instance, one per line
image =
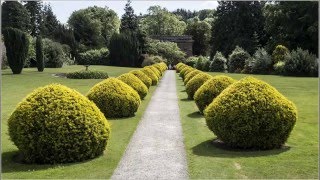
(215, 148)
(186, 99)
(12, 162)
(183, 90)
(195, 114)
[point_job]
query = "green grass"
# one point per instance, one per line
(300, 160)
(16, 87)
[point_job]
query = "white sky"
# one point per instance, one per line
(63, 9)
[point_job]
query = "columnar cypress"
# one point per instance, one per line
(39, 54)
(17, 45)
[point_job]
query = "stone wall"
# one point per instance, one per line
(184, 42)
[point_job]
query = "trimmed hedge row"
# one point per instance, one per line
(56, 124)
(248, 113)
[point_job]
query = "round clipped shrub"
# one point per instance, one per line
(55, 124)
(210, 90)
(187, 72)
(135, 83)
(179, 67)
(151, 75)
(115, 98)
(251, 114)
(183, 70)
(164, 66)
(190, 75)
(159, 68)
(143, 77)
(155, 71)
(195, 83)
(279, 53)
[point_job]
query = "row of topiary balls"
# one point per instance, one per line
(248, 113)
(56, 124)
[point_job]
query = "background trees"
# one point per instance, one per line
(15, 15)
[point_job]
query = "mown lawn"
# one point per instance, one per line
(16, 87)
(298, 160)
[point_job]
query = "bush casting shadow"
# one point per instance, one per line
(12, 162)
(183, 91)
(186, 99)
(216, 148)
(195, 114)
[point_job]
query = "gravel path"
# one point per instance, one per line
(156, 150)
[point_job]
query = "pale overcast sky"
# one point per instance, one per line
(63, 9)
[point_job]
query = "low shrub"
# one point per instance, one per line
(183, 71)
(279, 53)
(150, 60)
(143, 77)
(251, 114)
(279, 67)
(154, 70)
(55, 124)
(87, 75)
(94, 57)
(300, 63)
(210, 90)
(195, 83)
(190, 75)
(237, 60)
(151, 75)
(54, 56)
(191, 61)
(219, 63)
(262, 63)
(135, 83)
(115, 98)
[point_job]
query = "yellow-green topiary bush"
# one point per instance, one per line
(55, 124)
(211, 89)
(159, 68)
(164, 66)
(195, 83)
(151, 75)
(187, 72)
(154, 70)
(115, 98)
(190, 75)
(135, 83)
(143, 77)
(180, 66)
(251, 114)
(184, 70)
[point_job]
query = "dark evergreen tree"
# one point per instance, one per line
(235, 24)
(129, 20)
(39, 54)
(65, 35)
(124, 50)
(17, 45)
(185, 14)
(15, 15)
(50, 22)
(35, 11)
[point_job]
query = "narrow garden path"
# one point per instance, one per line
(156, 150)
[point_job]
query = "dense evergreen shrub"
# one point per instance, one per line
(219, 63)
(206, 65)
(151, 75)
(143, 77)
(87, 75)
(237, 60)
(17, 45)
(191, 61)
(55, 124)
(195, 83)
(279, 53)
(135, 83)
(54, 55)
(39, 54)
(210, 90)
(4, 60)
(115, 98)
(251, 114)
(190, 75)
(94, 57)
(261, 62)
(150, 60)
(279, 67)
(300, 63)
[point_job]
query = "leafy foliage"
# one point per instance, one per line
(151, 75)
(191, 75)
(219, 63)
(39, 54)
(135, 83)
(262, 63)
(301, 63)
(279, 53)
(35, 10)
(94, 57)
(55, 124)
(14, 15)
(4, 59)
(17, 45)
(237, 60)
(54, 54)
(251, 114)
(129, 21)
(87, 75)
(210, 90)
(115, 98)
(143, 77)
(195, 83)
(50, 22)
